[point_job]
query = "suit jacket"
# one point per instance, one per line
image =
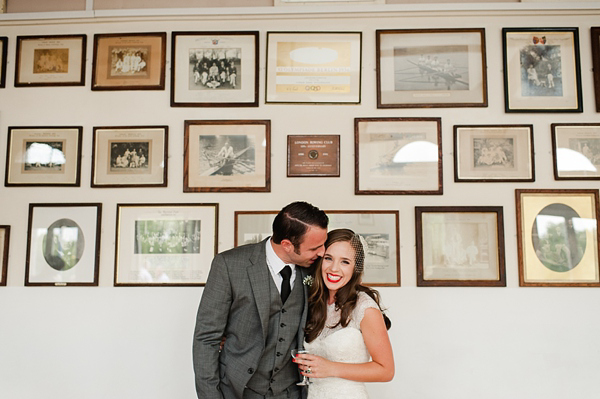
(235, 304)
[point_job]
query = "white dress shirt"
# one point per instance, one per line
(276, 264)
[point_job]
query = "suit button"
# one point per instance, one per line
(272, 380)
(250, 371)
(276, 369)
(283, 310)
(279, 354)
(282, 325)
(281, 339)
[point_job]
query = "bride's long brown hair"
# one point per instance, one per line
(346, 297)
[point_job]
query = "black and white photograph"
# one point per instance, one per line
(542, 70)
(576, 151)
(460, 246)
(424, 68)
(493, 153)
(129, 61)
(165, 244)
(43, 156)
(63, 245)
(214, 69)
(227, 155)
(130, 156)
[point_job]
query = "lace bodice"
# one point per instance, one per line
(341, 344)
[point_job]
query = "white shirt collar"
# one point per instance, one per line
(275, 265)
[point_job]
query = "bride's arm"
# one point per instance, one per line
(379, 369)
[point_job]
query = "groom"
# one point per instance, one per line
(256, 299)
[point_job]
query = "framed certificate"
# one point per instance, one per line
(313, 156)
(313, 67)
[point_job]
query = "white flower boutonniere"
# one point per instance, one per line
(308, 280)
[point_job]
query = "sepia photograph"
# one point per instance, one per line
(576, 151)
(165, 244)
(542, 70)
(227, 156)
(460, 246)
(63, 245)
(214, 69)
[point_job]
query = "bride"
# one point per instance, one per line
(346, 333)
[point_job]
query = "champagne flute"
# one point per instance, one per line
(296, 352)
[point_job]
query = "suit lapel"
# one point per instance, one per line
(259, 275)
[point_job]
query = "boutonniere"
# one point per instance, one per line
(308, 280)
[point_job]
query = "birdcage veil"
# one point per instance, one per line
(359, 244)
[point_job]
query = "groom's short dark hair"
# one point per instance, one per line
(294, 220)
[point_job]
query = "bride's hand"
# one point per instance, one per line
(314, 366)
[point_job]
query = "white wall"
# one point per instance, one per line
(121, 343)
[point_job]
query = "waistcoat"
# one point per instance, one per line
(275, 370)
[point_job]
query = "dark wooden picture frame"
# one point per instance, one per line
(227, 156)
(595, 33)
(410, 75)
(55, 60)
(4, 246)
(194, 84)
(129, 61)
(43, 156)
(3, 55)
(557, 237)
(532, 59)
(493, 153)
(460, 246)
(408, 160)
(63, 244)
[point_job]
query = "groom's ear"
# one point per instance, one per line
(287, 246)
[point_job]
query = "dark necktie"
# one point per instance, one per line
(286, 273)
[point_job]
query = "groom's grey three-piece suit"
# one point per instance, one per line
(241, 302)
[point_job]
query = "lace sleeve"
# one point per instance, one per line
(364, 302)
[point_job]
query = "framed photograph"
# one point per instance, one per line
(380, 229)
(227, 156)
(50, 60)
(313, 155)
(557, 237)
(313, 67)
(427, 68)
(542, 70)
(576, 151)
(63, 244)
(43, 156)
(4, 243)
(165, 244)
(130, 156)
(129, 61)
(214, 69)
(460, 246)
(3, 53)
(596, 63)
(398, 156)
(493, 153)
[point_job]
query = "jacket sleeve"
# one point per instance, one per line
(211, 322)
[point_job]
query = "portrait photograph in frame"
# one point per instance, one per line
(493, 153)
(398, 156)
(380, 230)
(461, 246)
(43, 156)
(4, 244)
(130, 156)
(595, 31)
(431, 68)
(214, 69)
(576, 151)
(57, 60)
(542, 71)
(129, 61)
(165, 244)
(313, 155)
(63, 244)
(314, 67)
(3, 54)
(227, 156)
(557, 237)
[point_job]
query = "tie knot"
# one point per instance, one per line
(286, 272)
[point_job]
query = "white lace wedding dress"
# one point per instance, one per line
(341, 345)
